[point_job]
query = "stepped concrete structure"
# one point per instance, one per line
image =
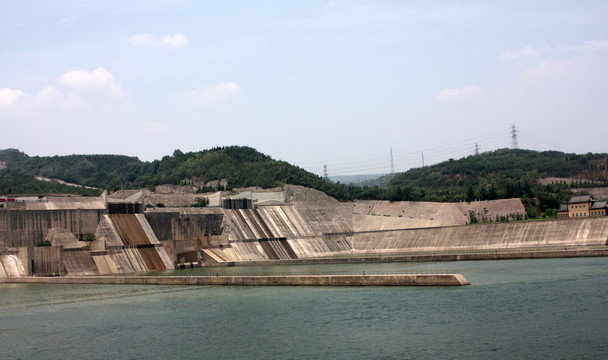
(298, 226)
(124, 242)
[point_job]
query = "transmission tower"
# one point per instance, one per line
(392, 163)
(476, 149)
(514, 143)
(325, 171)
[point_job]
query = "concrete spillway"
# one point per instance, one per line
(130, 230)
(142, 245)
(11, 266)
(306, 232)
(301, 230)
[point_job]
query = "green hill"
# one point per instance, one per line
(498, 174)
(240, 166)
(502, 174)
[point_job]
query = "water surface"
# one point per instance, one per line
(545, 308)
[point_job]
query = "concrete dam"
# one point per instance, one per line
(307, 226)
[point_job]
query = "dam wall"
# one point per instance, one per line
(529, 234)
(25, 228)
(184, 232)
(48, 260)
(300, 230)
(183, 224)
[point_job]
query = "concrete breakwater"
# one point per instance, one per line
(260, 280)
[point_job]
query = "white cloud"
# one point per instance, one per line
(559, 50)
(458, 94)
(176, 40)
(523, 53)
(98, 79)
(141, 39)
(546, 69)
(594, 45)
(213, 94)
(562, 61)
(76, 91)
(8, 96)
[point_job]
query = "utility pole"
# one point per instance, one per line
(514, 143)
(423, 159)
(392, 163)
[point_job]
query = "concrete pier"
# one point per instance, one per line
(260, 280)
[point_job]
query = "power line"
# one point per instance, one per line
(431, 155)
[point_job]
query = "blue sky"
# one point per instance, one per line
(309, 82)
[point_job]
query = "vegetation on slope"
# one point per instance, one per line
(240, 166)
(493, 175)
(502, 174)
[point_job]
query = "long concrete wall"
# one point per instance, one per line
(533, 234)
(25, 228)
(256, 280)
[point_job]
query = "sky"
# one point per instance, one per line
(341, 84)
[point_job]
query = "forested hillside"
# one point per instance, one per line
(239, 166)
(502, 174)
(498, 174)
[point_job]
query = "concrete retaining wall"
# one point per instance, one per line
(532, 234)
(25, 228)
(293, 280)
(48, 260)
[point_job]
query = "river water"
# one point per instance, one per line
(524, 309)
